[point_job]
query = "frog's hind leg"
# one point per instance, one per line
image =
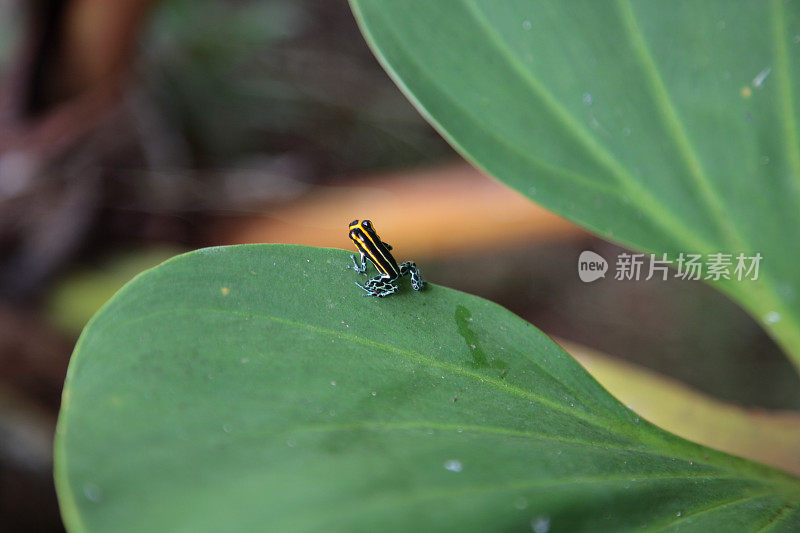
(378, 286)
(409, 267)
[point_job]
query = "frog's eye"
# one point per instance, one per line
(366, 224)
(353, 223)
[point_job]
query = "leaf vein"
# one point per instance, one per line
(721, 505)
(593, 421)
(415, 356)
(670, 224)
(784, 81)
(778, 517)
(498, 430)
(674, 125)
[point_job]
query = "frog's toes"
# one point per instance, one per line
(368, 292)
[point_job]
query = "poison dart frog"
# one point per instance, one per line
(371, 247)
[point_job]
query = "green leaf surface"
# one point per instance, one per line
(253, 388)
(668, 127)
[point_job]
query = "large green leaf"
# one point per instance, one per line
(667, 126)
(254, 388)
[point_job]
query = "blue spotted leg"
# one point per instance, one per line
(379, 286)
(409, 267)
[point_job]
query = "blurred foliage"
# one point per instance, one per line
(79, 295)
(770, 437)
(9, 32)
(280, 77)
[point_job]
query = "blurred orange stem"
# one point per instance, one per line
(427, 212)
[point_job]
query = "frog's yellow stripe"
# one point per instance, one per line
(377, 246)
(369, 244)
(374, 252)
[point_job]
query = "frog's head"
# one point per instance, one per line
(364, 225)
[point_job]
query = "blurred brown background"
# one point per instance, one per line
(131, 130)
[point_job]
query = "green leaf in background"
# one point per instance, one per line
(666, 127)
(80, 293)
(253, 388)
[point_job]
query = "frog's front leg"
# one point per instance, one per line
(409, 267)
(360, 269)
(379, 286)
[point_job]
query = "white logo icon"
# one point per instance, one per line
(591, 266)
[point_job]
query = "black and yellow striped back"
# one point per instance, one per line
(368, 243)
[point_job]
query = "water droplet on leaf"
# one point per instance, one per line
(540, 524)
(453, 465)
